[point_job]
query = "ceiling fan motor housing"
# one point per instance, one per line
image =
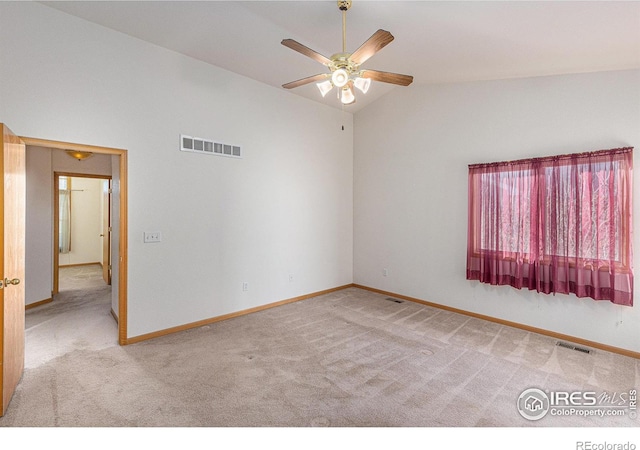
(342, 61)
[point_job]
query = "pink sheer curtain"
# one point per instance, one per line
(560, 224)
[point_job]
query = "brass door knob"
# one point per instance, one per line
(15, 281)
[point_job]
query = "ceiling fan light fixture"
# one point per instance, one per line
(362, 84)
(340, 77)
(324, 87)
(347, 96)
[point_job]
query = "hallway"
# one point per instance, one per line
(78, 318)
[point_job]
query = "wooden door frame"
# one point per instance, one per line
(106, 203)
(56, 220)
(122, 224)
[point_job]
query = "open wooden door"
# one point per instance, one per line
(12, 257)
(106, 231)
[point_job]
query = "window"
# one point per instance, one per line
(560, 224)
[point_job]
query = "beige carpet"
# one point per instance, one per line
(347, 359)
(79, 318)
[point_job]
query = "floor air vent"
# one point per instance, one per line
(395, 300)
(573, 347)
(209, 147)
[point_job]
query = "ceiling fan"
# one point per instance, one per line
(345, 72)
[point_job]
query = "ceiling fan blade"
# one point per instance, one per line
(303, 81)
(306, 51)
(374, 44)
(387, 77)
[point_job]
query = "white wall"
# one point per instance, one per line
(40, 166)
(287, 207)
(39, 226)
(412, 149)
(97, 164)
(86, 222)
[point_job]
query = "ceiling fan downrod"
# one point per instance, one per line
(344, 5)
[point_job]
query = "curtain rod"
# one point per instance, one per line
(613, 151)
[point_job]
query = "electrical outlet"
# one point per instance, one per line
(291, 278)
(245, 286)
(385, 272)
(152, 236)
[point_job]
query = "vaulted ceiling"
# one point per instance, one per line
(435, 41)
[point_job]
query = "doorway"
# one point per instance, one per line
(82, 226)
(15, 237)
(118, 244)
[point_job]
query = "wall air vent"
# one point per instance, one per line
(208, 146)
